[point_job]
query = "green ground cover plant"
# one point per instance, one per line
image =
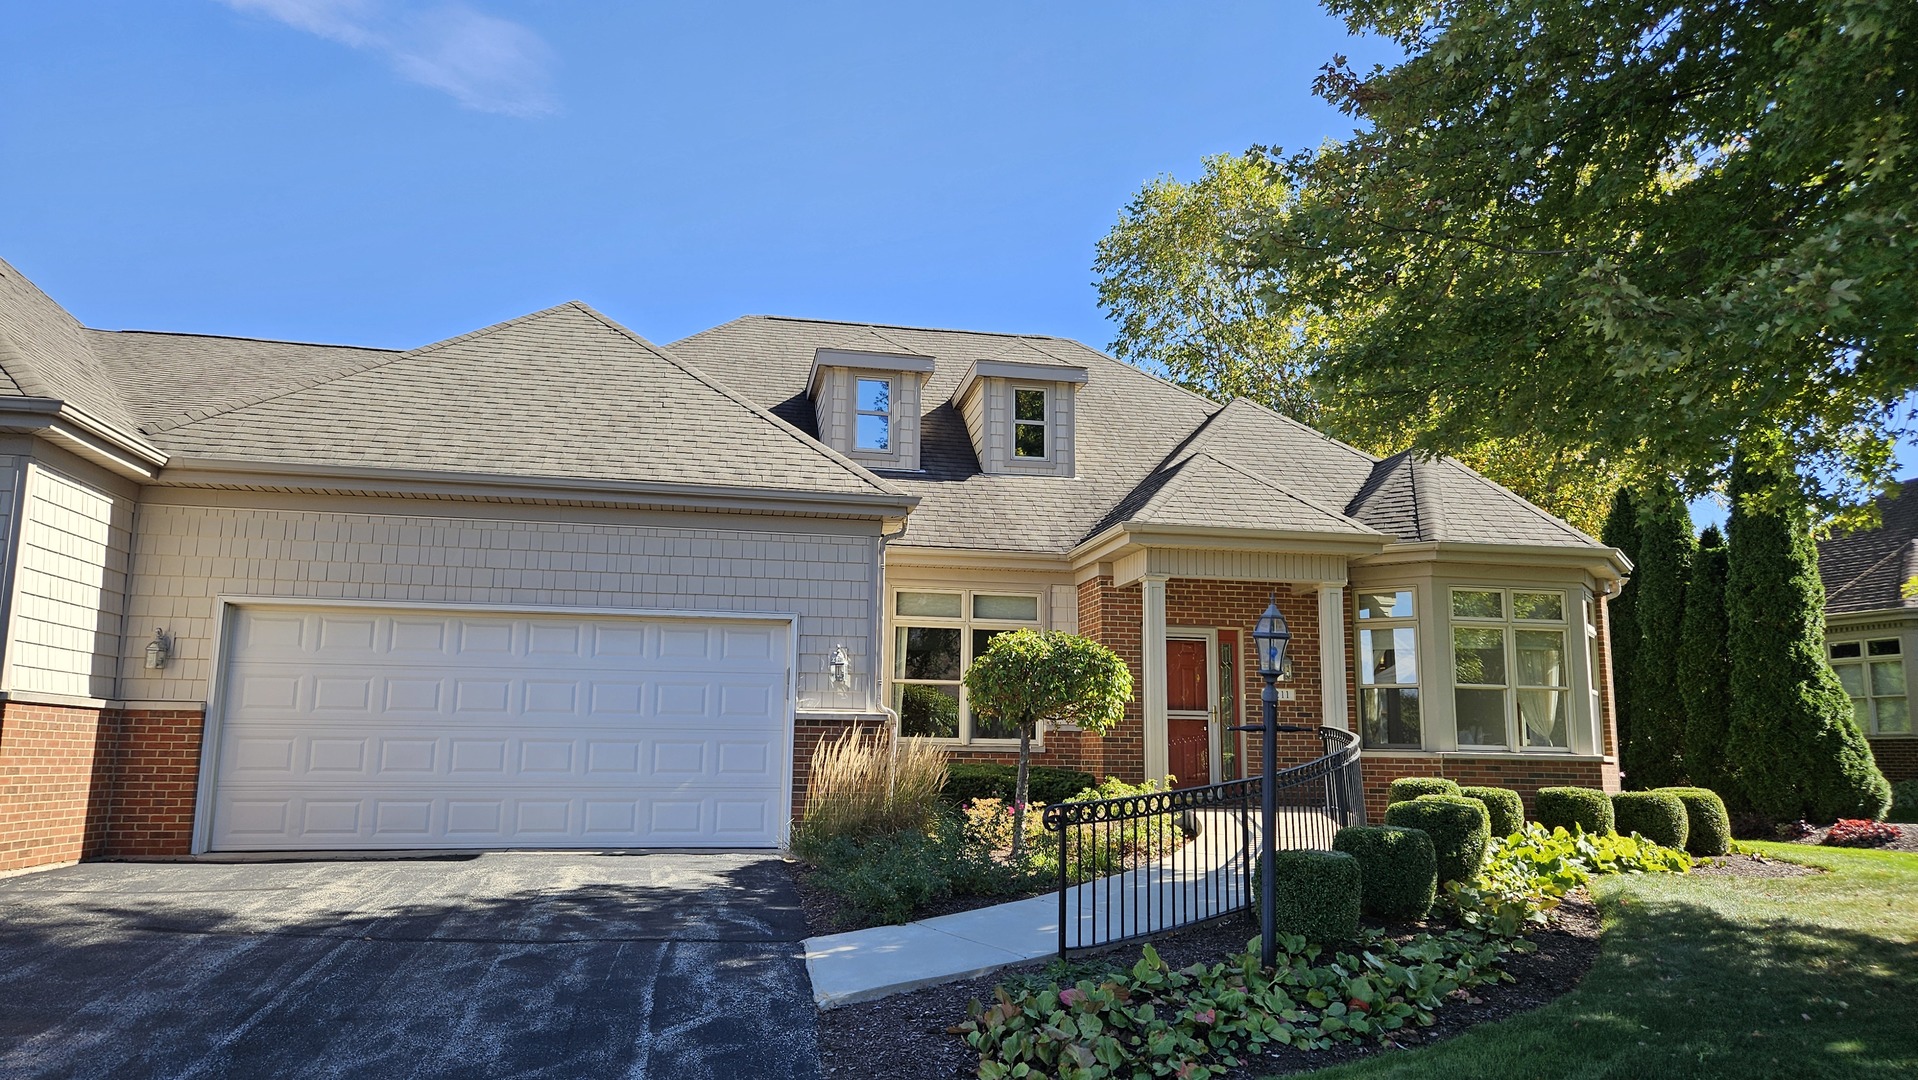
(1530, 872)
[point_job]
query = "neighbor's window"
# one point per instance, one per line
(1874, 675)
(1028, 423)
(935, 635)
(1388, 669)
(1511, 685)
(873, 426)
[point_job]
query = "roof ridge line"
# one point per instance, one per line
(1305, 427)
(197, 415)
(1557, 522)
(858, 471)
(1280, 488)
(1899, 549)
(242, 337)
(14, 365)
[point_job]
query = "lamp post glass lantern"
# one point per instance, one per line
(1273, 636)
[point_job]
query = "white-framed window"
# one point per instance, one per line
(1511, 681)
(1388, 668)
(1029, 434)
(872, 426)
(936, 634)
(1873, 671)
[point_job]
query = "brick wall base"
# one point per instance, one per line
(1897, 758)
(1471, 770)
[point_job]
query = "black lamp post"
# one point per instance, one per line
(1273, 636)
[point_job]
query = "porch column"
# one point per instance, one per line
(1152, 675)
(1332, 656)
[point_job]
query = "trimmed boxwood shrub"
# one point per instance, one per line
(1407, 788)
(1315, 894)
(1459, 827)
(1505, 808)
(1658, 816)
(969, 780)
(1398, 869)
(1708, 827)
(1904, 801)
(1566, 807)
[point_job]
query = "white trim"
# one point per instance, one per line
(1152, 676)
(1335, 710)
(222, 654)
(965, 623)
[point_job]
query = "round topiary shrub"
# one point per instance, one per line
(1708, 827)
(1407, 788)
(1398, 869)
(1657, 816)
(1505, 808)
(1315, 894)
(1459, 827)
(1571, 808)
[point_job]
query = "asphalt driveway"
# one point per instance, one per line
(493, 965)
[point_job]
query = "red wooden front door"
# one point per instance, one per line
(1188, 706)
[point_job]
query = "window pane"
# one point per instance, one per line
(982, 640)
(989, 727)
(1853, 677)
(1029, 405)
(1541, 658)
(926, 652)
(874, 433)
(1541, 718)
(1011, 608)
(1479, 653)
(1843, 650)
(875, 395)
(1388, 656)
(1885, 647)
(1386, 605)
(1029, 440)
(1389, 717)
(1481, 717)
(1539, 606)
(1887, 678)
(1894, 718)
(1478, 605)
(928, 711)
(936, 605)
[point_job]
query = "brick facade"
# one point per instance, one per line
(1897, 758)
(1523, 776)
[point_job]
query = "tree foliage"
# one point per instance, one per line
(1637, 227)
(1034, 677)
(1621, 611)
(1793, 740)
(1705, 667)
(1653, 756)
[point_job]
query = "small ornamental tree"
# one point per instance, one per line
(1621, 611)
(1705, 666)
(1033, 677)
(1653, 751)
(1793, 739)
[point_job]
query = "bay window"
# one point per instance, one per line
(1873, 673)
(936, 634)
(1511, 681)
(1388, 669)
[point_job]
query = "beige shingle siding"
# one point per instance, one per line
(187, 557)
(69, 586)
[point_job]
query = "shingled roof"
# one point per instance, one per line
(1867, 570)
(45, 353)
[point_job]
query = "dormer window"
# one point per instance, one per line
(873, 429)
(1029, 423)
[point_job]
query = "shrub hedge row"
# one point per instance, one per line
(1407, 788)
(1708, 828)
(1503, 805)
(1575, 807)
(1459, 827)
(969, 780)
(1398, 869)
(1315, 894)
(1658, 816)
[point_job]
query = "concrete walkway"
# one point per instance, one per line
(1197, 882)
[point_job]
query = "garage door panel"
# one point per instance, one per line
(370, 729)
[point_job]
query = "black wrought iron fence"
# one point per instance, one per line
(1142, 864)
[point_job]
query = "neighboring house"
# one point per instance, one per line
(1871, 626)
(549, 585)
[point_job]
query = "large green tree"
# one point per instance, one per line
(1705, 668)
(1175, 275)
(1653, 755)
(1621, 611)
(1638, 227)
(1793, 741)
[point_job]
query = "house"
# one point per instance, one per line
(547, 584)
(1871, 626)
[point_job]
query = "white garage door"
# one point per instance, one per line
(346, 728)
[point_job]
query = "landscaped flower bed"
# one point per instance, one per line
(1854, 832)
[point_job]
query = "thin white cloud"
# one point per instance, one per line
(484, 62)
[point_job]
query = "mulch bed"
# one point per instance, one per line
(1752, 866)
(905, 1035)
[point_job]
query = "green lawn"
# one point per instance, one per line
(1805, 978)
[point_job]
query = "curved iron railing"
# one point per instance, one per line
(1138, 865)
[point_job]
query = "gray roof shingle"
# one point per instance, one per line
(166, 378)
(45, 353)
(1866, 570)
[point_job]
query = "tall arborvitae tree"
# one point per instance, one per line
(1705, 669)
(1653, 755)
(1794, 742)
(1621, 532)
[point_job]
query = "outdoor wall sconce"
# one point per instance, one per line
(159, 650)
(839, 665)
